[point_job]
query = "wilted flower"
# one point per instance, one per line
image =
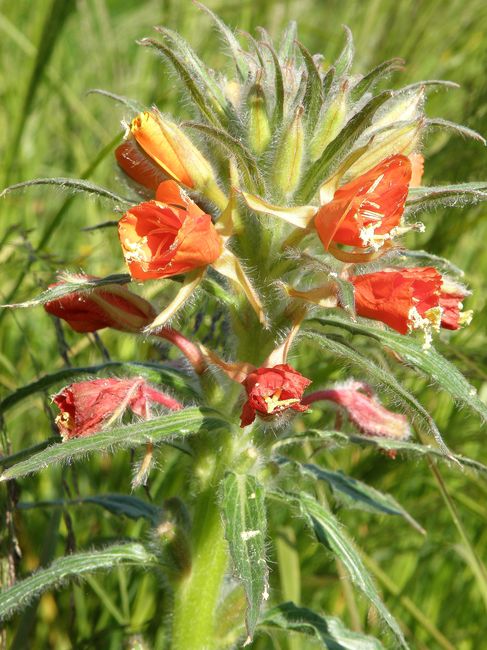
(410, 298)
(111, 306)
(168, 236)
(87, 406)
(271, 391)
(364, 410)
(364, 212)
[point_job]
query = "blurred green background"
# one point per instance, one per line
(51, 54)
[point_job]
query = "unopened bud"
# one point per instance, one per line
(259, 125)
(330, 122)
(289, 155)
(108, 306)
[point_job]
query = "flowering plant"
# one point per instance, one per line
(284, 204)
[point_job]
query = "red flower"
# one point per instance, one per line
(364, 211)
(139, 167)
(364, 410)
(87, 406)
(113, 306)
(271, 391)
(407, 299)
(168, 236)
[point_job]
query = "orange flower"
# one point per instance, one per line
(363, 212)
(157, 149)
(271, 391)
(410, 298)
(168, 236)
(111, 306)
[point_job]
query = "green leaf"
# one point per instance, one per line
(457, 128)
(287, 46)
(166, 427)
(335, 151)
(235, 147)
(423, 258)
(154, 372)
(374, 76)
(344, 62)
(330, 533)
(243, 507)
(132, 104)
(72, 185)
(73, 283)
(382, 378)
(235, 47)
(327, 629)
(71, 567)
(357, 494)
(341, 438)
(279, 90)
(313, 98)
(429, 362)
(430, 198)
(118, 504)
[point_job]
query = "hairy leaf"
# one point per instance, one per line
(72, 185)
(375, 75)
(244, 514)
(327, 629)
(72, 283)
(428, 362)
(117, 504)
(430, 198)
(70, 567)
(329, 532)
(357, 494)
(166, 427)
(381, 377)
(152, 371)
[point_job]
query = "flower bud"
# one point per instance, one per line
(88, 406)
(111, 306)
(289, 155)
(330, 123)
(259, 125)
(271, 391)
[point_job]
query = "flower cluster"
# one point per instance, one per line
(201, 210)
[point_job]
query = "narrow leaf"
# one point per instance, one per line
(132, 104)
(327, 629)
(157, 373)
(71, 567)
(423, 258)
(72, 185)
(457, 128)
(374, 76)
(117, 504)
(313, 98)
(430, 198)
(357, 494)
(166, 427)
(235, 147)
(243, 507)
(428, 362)
(341, 438)
(235, 48)
(345, 59)
(329, 532)
(73, 283)
(384, 379)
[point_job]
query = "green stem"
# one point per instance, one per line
(197, 595)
